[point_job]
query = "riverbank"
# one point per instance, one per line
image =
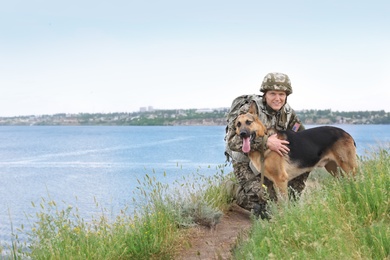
(334, 219)
(191, 117)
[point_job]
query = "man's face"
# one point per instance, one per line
(275, 99)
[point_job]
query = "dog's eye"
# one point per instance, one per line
(248, 122)
(239, 124)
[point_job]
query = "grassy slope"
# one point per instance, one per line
(339, 219)
(344, 219)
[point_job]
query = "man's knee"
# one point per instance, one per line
(231, 188)
(250, 181)
(298, 184)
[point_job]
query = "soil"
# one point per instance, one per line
(218, 242)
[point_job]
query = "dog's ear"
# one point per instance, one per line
(253, 108)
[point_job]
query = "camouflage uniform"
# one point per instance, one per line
(249, 194)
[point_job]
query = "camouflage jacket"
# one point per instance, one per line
(283, 119)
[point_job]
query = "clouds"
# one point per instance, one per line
(116, 57)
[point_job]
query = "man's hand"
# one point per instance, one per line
(277, 145)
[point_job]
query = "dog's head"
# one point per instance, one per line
(249, 126)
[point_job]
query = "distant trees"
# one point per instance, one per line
(191, 116)
(349, 117)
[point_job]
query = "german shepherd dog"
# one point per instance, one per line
(324, 146)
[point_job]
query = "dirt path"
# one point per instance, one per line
(205, 243)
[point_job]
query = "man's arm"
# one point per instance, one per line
(295, 124)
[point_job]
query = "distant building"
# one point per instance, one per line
(146, 109)
(204, 110)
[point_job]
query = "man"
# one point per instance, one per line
(275, 113)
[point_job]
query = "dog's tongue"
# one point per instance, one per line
(246, 145)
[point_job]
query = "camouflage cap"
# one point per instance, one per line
(276, 81)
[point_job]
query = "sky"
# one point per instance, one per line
(117, 56)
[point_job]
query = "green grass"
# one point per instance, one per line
(341, 218)
(344, 219)
(155, 230)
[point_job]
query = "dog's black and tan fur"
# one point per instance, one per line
(325, 146)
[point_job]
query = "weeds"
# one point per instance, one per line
(346, 218)
(339, 219)
(152, 231)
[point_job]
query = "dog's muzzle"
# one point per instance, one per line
(246, 134)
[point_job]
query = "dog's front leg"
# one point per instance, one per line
(282, 189)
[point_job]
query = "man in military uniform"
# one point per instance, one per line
(276, 114)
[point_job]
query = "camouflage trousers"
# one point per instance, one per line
(249, 193)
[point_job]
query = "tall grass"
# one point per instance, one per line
(347, 218)
(154, 230)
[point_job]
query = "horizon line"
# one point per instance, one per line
(151, 109)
